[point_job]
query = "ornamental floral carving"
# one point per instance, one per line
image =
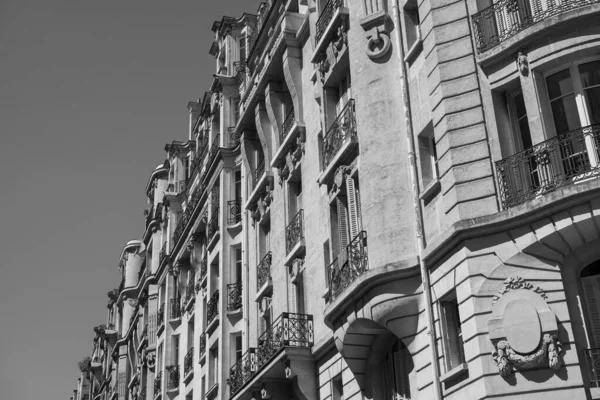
(517, 283)
(549, 352)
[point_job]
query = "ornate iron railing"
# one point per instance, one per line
(342, 129)
(326, 17)
(163, 253)
(357, 262)
(242, 371)
(593, 362)
(287, 125)
(186, 217)
(288, 330)
(234, 296)
(160, 317)
(234, 137)
(210, 157)
(263, 271)
(202, 345)
(294, 232)
(554, 163)
(259, 172)
(212, 307)
(213, 226)
(188, 362)
(175, 308)
(189, 289)
(173, 377)
(158, 383)
(203, 267)
(235, 211)
(506, 18)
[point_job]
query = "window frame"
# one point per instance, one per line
(451, 298)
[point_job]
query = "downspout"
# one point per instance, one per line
(417, 207)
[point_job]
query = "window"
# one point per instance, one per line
(396, 370)
(238, 348)
(214, 357)
(574, 95)
(175, 351)
(343, 93)
(428, 156)
(242, 45)
(238, 184)
(590, 283)
(238, 264)
(346, 216)
(337, 388)
(451, 332)
(411, 25)
(295, 198)
(264, 240)
(236, 111)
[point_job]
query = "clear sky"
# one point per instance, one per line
(90, 92)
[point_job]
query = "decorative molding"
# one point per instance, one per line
(375, 25)
(514, 283)
(506, 358)
(523, 63)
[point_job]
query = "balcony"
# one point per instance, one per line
(287, 125)
(342, 273)
(259, 172)
(175, 309)
(242, 371)
(340, 142)
(189, 292)
(173, 383)
(158, 385)
(202, 348)
(294, 237)
(235, 211)
(177, 187)
(188, 365)
(212, 313)
(203, 270)
(213, 228)
(506, 18)
(234, 296)
(160, 317)
(234, 137)
(187, 215)
(163, 254)
(211, 155)
(288, 331)
(329, 19)
(564, 160)
(264, 284)
(592, 357)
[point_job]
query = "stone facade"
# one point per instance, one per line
(377, 199)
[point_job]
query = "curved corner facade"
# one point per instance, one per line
(375, 200)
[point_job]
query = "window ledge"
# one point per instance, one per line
(414, 50)
(454, 372)
(430, 191)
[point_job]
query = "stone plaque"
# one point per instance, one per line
(522, 326)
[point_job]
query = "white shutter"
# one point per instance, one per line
(591, 290)
(342, 224)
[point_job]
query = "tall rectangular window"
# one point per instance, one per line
(238, 348)
(337, 388)
(238, 264)
(451, 332)
(238, 184)
(411, 23)
(242, 49)
(428, 156)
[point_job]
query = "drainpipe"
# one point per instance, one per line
(417, 207)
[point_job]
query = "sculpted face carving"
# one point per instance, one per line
(523, 328)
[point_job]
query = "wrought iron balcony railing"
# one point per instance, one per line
(288, 330)
(341, 276)
(160, 317)
(287, 125)
(189, 289)
(213, 226)
(263, 271)
(234, 137)
(242, 371)
(188, 362)
(234, 296)
(342, 129)
(212, 307)
(326, 17)
(203, 267)
(294, 232)
(259, 172)
(554, 163)
(506, 18)
(235, 211)
(212, 153)
(175, 308)
(593, 363)
(186, 217)
(158, 383)
(202, 345)
(173, 377)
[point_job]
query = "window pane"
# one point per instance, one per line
(559, 84)
(565, 114)
(592, 97)
(590, 74)
(525, 134)
(520, 105)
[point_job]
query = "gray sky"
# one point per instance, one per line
(90, 92)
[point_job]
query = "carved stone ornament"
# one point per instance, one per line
(375, 23)
(268, 195)
(523, 63)
(295, 269)
(339, 178)
(284, 173)
(523, 329)
(289, 372)
(151, 361)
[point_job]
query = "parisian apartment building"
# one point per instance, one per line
(375, 199)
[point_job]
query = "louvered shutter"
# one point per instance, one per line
(388, 377)
(452, 339)
(342, 223)
(591, 290)
(293, 296)
(353, 208)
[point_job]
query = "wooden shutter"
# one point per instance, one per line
(591, 290)
(342, 223)
(353, 208)
(452, 339)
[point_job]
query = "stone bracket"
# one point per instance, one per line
(376, 25)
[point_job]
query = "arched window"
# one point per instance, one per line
(397, 366)
(590, 282)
